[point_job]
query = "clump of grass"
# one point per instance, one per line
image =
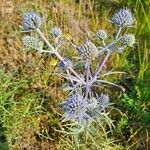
(22, 114)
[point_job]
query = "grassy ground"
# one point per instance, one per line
(29, 94)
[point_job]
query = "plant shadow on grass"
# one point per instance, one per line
(3, 140)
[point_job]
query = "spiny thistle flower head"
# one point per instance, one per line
(123, 18)
(88, 50)
(128, 40)
(98, 104)
(103, 100)
(31, 20)
(75, 108)
(32, 42)
(101, 35)
(65, 64)
(56, 32)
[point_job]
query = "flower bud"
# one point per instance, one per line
(56, 32)
(128, 40)
(64, 64)
(101, 35)
(32, 42)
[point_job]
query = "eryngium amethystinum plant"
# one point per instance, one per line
(84, 105)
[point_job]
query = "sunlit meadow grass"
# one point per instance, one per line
(29, 94)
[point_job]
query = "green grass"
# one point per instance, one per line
(22, 113)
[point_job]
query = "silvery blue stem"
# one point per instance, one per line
(56, 53)
(43, 51)
(88, 91)
(101, 64)
(44, 38)
(69, 75)
(71, 42)
(99, 67)
(118, 33)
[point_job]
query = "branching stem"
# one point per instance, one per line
(53, 50)
(110, 48)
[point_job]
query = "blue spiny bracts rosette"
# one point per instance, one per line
(56, 32)
(128, 40)
(32, 42)
(75, 108)
(88, 50)
(31, 21)
(123, 18)
(101, 35)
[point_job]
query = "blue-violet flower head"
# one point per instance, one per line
(75, 108)
(88, 50)
(31, 20)
(123, 18)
